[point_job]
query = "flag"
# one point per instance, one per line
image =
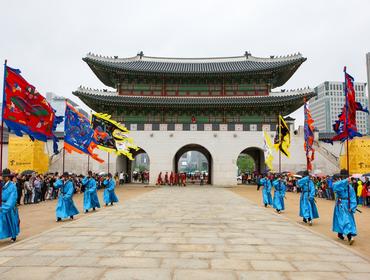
(308, 136)
(111, 136)
(345, 127)
(25, 111)
(78, 133)
(267, 147)
(282, 137)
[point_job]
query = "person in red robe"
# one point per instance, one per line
(183, 179)
(176, 181)
(159, 179)
(171, 178)
(166, 178)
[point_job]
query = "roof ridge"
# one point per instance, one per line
(246, 57)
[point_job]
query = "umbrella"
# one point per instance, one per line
(297, 176)
(27, 172)
(366, 174)
(357, 176)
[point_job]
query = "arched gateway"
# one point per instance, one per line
(198, 170)
(222, 104)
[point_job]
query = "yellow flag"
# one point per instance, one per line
(111, 136)
(282, 137)
(268, 150)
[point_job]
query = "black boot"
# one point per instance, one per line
(94, 209)
(111, 203)
(13, 239)
(71, 217)
(304, 220)
(265, 204)
(59, 219)
(350, 239)
(86, 211)
(340, 236)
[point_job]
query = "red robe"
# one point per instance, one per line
(183, 179)
(171, 178)
(159, 179)
(166, 178)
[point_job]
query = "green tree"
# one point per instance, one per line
(245, 163)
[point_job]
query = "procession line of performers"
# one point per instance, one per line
(9, 218)
(345, 204)
(171, 179)
(66, 207)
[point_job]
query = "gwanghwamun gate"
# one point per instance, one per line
(217, 106)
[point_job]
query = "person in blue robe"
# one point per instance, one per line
(266, 191)
(109, 194)
(279, 194)
(307, 206)
(91, 199)
(9, 218)
(344, 210)
(65, 206)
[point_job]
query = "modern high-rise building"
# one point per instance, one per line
(368, 88)
(328, 104)
(59, 105)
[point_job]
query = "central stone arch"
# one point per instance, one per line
(198, 148)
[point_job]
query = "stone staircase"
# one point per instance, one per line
(333, 159)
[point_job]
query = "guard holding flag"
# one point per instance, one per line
(266, 191)
(307, 206)
(91, 199)
(65, 207)
(279, 194)
(345, 207)
(9, 218)
(109, 194)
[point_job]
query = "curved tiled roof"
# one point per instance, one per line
(95, 98)
(244, 65)
(237, 64)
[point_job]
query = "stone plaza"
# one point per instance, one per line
(181, 233)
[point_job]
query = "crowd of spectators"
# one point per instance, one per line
(35, 188)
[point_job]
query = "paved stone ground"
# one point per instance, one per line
(181, 233)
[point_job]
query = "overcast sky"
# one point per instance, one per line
(47, 39)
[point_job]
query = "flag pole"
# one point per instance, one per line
(88, 163)
(279, 144)
(108, 161)
(346, 126)
(304, 131)
(64, 155)
(2, 133)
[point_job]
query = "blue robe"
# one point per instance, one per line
(344, 210)
(65, 207)
(307, 206)
(109, 194)
(91, 199)
(279, 194)
(266, 191)
(9, 218)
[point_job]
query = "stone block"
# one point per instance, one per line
(203, 274)
(272, 266)
(137, 274)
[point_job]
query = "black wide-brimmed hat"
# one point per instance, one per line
(7, 173)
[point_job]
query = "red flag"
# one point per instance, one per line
(27, 111)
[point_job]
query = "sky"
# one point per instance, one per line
(47, 39)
